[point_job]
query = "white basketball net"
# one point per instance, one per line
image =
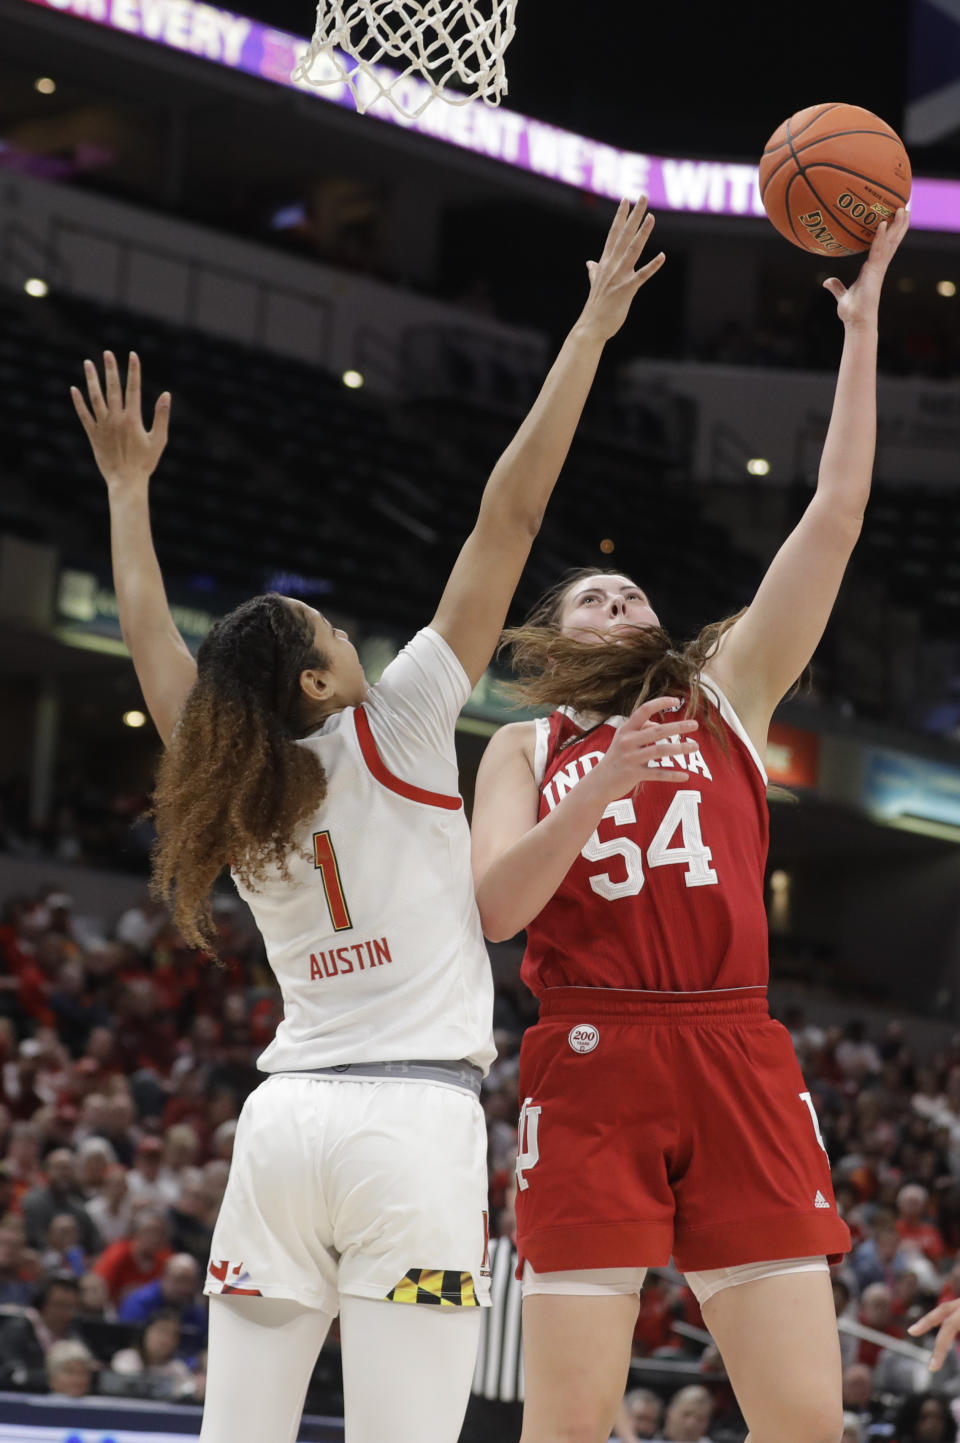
(376, 46)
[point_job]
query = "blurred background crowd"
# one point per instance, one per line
(125, 1059)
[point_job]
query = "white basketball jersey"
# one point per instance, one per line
(376, 939)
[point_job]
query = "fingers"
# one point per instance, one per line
(888, 237)
(650, 734)
(650, 269)
(616, 228)
(635, 232)
(878, 248)
(669, 748)
(945, 1340)
(650, 708)
(97, 403)
(112, 374)
(625, 227)
(161, 421)
(80, 406)
(638, 217)
(947, 1314)
(642, 235)
(132, 397)
(836, 288)
(895, 230)
(931, 1319)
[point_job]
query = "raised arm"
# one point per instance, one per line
(127, 455)
(474, 604)
(762, 656)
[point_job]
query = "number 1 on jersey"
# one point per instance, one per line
(325, 861)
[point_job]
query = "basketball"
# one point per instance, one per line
(830, 174)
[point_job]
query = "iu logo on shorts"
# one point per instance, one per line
(584, 1037)
(528, 1141)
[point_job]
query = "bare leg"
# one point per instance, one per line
(778, 1339)
(576, 1354)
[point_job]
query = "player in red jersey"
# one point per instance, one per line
(664, 1113)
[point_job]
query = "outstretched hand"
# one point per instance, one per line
(614, 278)
(124, 450)
(859, 304)
(947, 1317)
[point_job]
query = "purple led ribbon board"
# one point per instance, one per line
(700, 187)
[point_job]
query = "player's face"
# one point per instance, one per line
(600, 606)
(343, 672)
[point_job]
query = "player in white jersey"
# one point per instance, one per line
(358, 1183)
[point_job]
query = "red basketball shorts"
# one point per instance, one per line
(655, 1127)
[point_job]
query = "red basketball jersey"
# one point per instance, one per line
(667, 894)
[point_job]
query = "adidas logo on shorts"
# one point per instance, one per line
(820, 1201)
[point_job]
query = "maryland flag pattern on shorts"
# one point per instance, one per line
(425, 1285)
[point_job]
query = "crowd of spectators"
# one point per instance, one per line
(125, 1060)
(87, 825)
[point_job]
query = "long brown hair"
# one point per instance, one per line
(233, 786)
(606, 677)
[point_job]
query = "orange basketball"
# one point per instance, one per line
(830, 174)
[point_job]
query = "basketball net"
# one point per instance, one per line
(375, 46)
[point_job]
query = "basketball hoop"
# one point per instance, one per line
(377, 46)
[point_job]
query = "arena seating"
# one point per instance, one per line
(275, 465)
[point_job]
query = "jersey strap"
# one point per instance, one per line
(378, 770)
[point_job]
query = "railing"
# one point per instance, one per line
(23, 253)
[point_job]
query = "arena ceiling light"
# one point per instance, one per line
(758, 466)
(353, 380)
(946, 288)
(36, 287)
(134, 719)
(45, 85)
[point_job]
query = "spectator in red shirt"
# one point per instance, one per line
(951, 1287)
(20, 1080)
(15, 948)
(146, 1036)
(23, 1161)
(914, 1224)
(876, 1311)
(906, 1295)
(37, 977)
(654, 1328)
(137, 1260)
(101, 1049)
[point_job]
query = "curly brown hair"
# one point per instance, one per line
(607, 677)
(233, 786)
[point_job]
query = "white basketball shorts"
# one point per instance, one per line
(377, 1189)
